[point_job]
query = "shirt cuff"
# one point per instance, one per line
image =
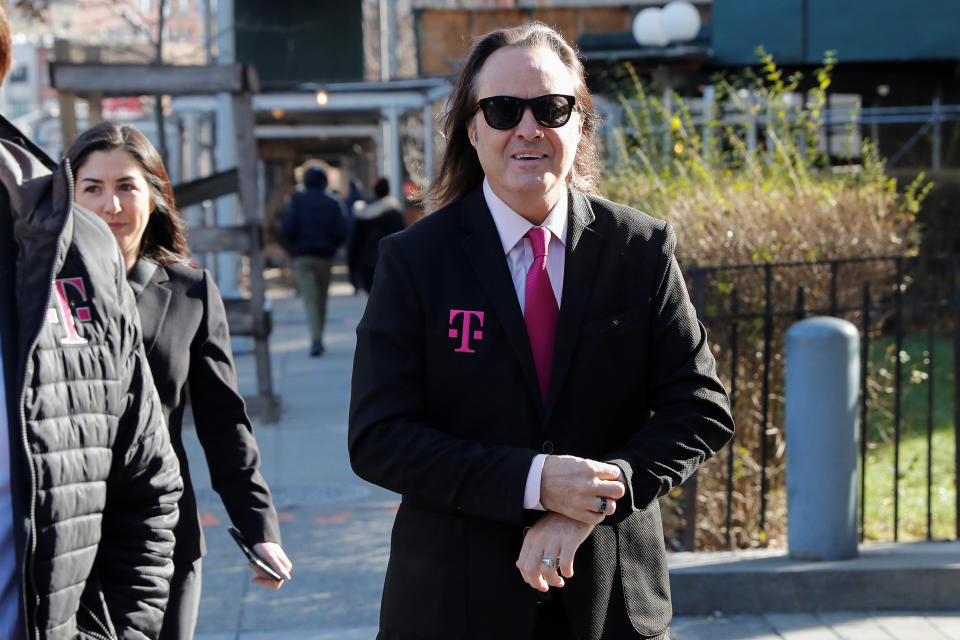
(531, 494)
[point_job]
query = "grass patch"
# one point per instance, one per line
(915, 387)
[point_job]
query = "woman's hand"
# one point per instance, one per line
(273, 555)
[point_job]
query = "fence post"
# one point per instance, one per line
(864, 366)
(690, 486)
(937, 135)
(668, 127)
(709, 116)
(823, 369)
(956, 386)
(732, 447)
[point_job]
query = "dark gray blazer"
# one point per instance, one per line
(451, 416)
(187, 341)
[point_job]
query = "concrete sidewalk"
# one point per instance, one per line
(336, 528)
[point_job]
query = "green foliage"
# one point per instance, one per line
(916, 357)
(747, 182)
(731, 201)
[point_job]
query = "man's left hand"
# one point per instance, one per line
(554, 535)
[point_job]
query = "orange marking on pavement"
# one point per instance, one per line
(339, 517)
(395, 508)
(207, 519)
(285, 517)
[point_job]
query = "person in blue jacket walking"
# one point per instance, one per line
(314, 225)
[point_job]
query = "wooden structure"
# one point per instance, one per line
(246, 316)
(444, 35)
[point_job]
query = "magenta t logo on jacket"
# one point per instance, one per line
(63, 304)
(467, 332)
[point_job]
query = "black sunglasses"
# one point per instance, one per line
(505, 112)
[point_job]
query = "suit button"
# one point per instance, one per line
(547, 447)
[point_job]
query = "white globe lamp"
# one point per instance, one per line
(680, 21)
(648, 30)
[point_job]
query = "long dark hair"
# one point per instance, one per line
(163, 239)
(460, 169)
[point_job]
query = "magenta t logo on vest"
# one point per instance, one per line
(63, 304)
(468, 330)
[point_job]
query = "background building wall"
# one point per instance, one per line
(800, 31)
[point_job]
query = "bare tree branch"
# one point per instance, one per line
(32, 9)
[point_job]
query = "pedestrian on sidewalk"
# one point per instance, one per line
(89, 481)
(530, 375)
(314, 226)
(121, 178)
(373, 222)
(353, 196)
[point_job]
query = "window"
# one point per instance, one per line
(18, 74)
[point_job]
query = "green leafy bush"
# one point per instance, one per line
(779, 200)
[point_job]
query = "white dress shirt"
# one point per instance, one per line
(9, 600)
(512, 227)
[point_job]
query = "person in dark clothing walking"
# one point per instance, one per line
(314, 226)
(373, 222)
(355, 195)
(530, 374)
(89, 481)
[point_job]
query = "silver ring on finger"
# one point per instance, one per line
(603, 506)
(551, 563)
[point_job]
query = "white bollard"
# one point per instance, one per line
(823, 369)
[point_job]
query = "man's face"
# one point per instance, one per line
(528, 165)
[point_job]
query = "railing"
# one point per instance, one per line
(842, 124)
(747, 309)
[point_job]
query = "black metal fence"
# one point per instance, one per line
(908, 312)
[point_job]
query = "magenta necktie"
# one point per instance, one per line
(540, 311)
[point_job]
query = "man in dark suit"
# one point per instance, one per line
(530, 375)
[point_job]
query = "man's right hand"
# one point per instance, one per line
(575, 486)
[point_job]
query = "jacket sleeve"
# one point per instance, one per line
(223, 426)
(691, 417)
(391, 442)
(288, 225)
(343, 224)
(135, 559)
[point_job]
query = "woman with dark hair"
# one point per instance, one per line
(121, 178)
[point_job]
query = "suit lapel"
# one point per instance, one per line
(484, 251)
(583, 250)
(153, 298)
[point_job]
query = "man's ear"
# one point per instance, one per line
(472, 133)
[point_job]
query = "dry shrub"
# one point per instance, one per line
(731, 205)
